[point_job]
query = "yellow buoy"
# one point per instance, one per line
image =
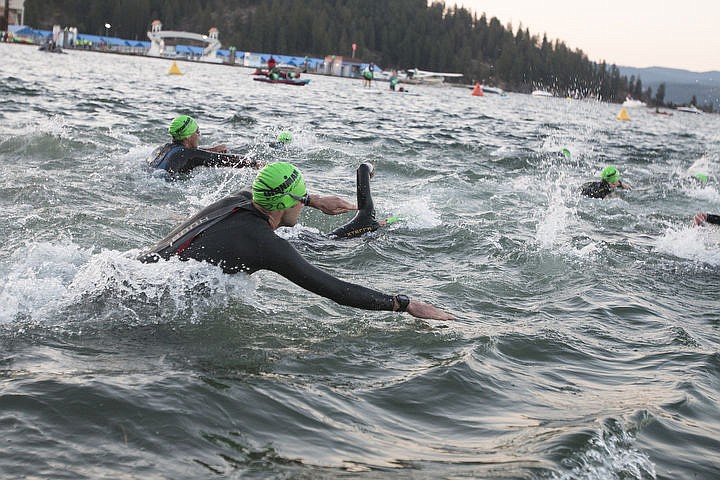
(174, 69)
(623, 115)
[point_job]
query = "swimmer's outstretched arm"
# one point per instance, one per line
(331, 205)
(218, 149)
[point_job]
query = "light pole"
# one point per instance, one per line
(107, 27)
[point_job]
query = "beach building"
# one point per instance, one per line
(16, 12)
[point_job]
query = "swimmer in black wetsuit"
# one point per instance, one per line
(609, 181)
(701, 218)
(237, 234)
(283, 140)
(183, 154)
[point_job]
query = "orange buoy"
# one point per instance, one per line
(478, 91)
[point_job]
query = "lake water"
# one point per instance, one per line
(586, 345)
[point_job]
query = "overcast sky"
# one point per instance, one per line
(635, 33)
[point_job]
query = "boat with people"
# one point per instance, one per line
(285, 81)
(51, 47)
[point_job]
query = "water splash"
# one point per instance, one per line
(701, 244)
(559, 229)
(610, 454)
(37, 278)
(415, 214)
(46, 280)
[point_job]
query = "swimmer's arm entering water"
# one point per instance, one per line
(701, 218)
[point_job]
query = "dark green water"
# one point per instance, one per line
(587, 340)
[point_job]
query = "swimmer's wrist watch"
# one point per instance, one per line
(403, 302)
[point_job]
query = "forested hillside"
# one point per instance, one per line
(397, 33)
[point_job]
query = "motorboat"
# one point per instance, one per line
(632, 103)
(541, 93)
(690, 109)
(495, 90)
(416, 76)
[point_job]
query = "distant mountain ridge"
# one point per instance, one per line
(680, 85)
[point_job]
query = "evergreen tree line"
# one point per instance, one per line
(401, 34)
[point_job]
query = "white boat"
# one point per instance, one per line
(690, 109)
(496, 90)
(541, 93)
(423, 76)
(632, 103)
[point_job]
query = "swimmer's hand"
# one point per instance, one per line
(331, 205)
(699, 219)
(256, 164)
(425, 310)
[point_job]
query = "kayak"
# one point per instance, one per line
(286, 81)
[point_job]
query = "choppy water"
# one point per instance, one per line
(587, 343)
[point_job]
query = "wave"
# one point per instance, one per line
(49, 282)
(701, 244)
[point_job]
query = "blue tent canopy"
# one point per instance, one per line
(288, 60)
(97, 39)
(295, 61)
(30, 32)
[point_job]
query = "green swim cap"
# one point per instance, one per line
(610, 174)
(701, 176)
(278, 186)
(182, 127)
(284, 137)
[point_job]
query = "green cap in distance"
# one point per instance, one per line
(278, 186)
(285, 137)
(701, 176)
(610, 174)
(182, 127)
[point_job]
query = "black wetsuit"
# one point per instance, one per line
(714, 219)
(364, 220)
(175, 158)
(237, 237)
(599, 189)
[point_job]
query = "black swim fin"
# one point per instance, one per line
(364, 220)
